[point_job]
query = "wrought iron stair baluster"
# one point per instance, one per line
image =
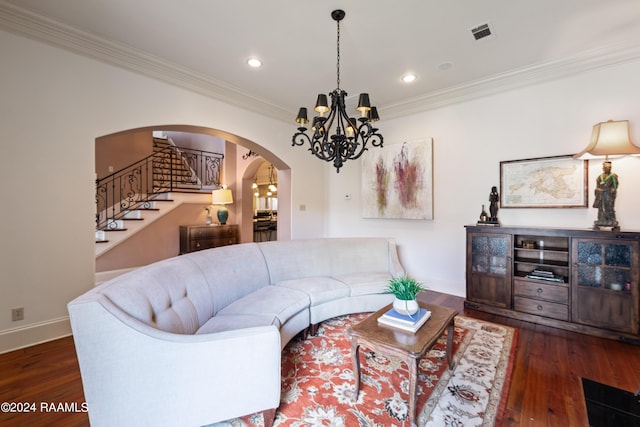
(168, 169)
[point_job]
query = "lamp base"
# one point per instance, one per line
(223, 215)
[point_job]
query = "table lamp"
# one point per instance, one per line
(608, 139)
(222, 197)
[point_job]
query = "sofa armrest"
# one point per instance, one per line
(136, 375)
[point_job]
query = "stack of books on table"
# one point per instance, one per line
(402, 321)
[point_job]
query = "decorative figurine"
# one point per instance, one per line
(493, 206)
(605, 198)
(491, 219)
(208, 217)
(484, 217)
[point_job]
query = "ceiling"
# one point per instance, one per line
(203, 45)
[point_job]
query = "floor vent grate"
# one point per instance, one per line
(610, 406)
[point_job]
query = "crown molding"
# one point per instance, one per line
(527, 76)
(40, 28)
(34, 26)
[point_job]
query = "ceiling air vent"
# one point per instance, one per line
(481, 31)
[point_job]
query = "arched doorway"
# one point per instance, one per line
(262, 177)
(236, 171)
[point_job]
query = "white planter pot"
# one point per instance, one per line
(409, 307)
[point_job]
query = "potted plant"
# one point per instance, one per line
(405, 289)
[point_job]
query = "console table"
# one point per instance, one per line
(198, 237)
(582, 280)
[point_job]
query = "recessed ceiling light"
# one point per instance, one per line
(408, 78)
(254, 62)
(445, 66)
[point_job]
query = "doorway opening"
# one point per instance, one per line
(238, 172)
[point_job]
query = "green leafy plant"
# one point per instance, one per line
(404, 288)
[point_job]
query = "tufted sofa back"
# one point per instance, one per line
(296, 259)
(231, 272)
(180, 294)
(170, 295)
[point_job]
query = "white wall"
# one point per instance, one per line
(470, 140)
(53, 105)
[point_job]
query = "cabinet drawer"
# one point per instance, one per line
(200, 244)
(541, 308)
(210, 232)
(199, 237)
(553, 293)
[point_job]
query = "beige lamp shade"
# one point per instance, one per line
(222, 196)
(609, 139)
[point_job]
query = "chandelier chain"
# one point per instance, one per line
(338, 55)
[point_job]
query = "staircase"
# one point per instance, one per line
(171, 165)
(135, 196)
(136, 220)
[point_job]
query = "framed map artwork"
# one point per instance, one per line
(545, 182)
(397, 181)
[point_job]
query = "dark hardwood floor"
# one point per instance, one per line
(545, 389)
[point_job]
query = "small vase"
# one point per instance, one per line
(208, 220)
(408, 307)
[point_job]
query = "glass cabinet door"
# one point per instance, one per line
(489, 269)
(489, 254)
(605, 279)
(604, 266)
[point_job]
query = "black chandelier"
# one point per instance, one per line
(350, 136)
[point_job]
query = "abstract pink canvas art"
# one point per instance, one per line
(397, 181)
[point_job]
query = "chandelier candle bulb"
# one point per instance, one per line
(363, 104)
(322, 106)
(302, 117)
(372, 114)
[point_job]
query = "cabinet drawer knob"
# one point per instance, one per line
(539, 308)
(540, 290)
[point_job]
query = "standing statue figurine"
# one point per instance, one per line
(492, 217)
(493, 206)
(605, 198)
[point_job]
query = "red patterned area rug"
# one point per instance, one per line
(318, 381)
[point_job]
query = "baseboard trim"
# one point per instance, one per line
(53, 329)
(35, 333)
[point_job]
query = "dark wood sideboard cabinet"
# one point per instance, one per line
(198, 237)
(581, 280)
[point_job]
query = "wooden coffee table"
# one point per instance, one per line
(407, 346)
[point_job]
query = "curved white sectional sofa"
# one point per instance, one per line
(197, 339)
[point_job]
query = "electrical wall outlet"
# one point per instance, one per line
(17, 314)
